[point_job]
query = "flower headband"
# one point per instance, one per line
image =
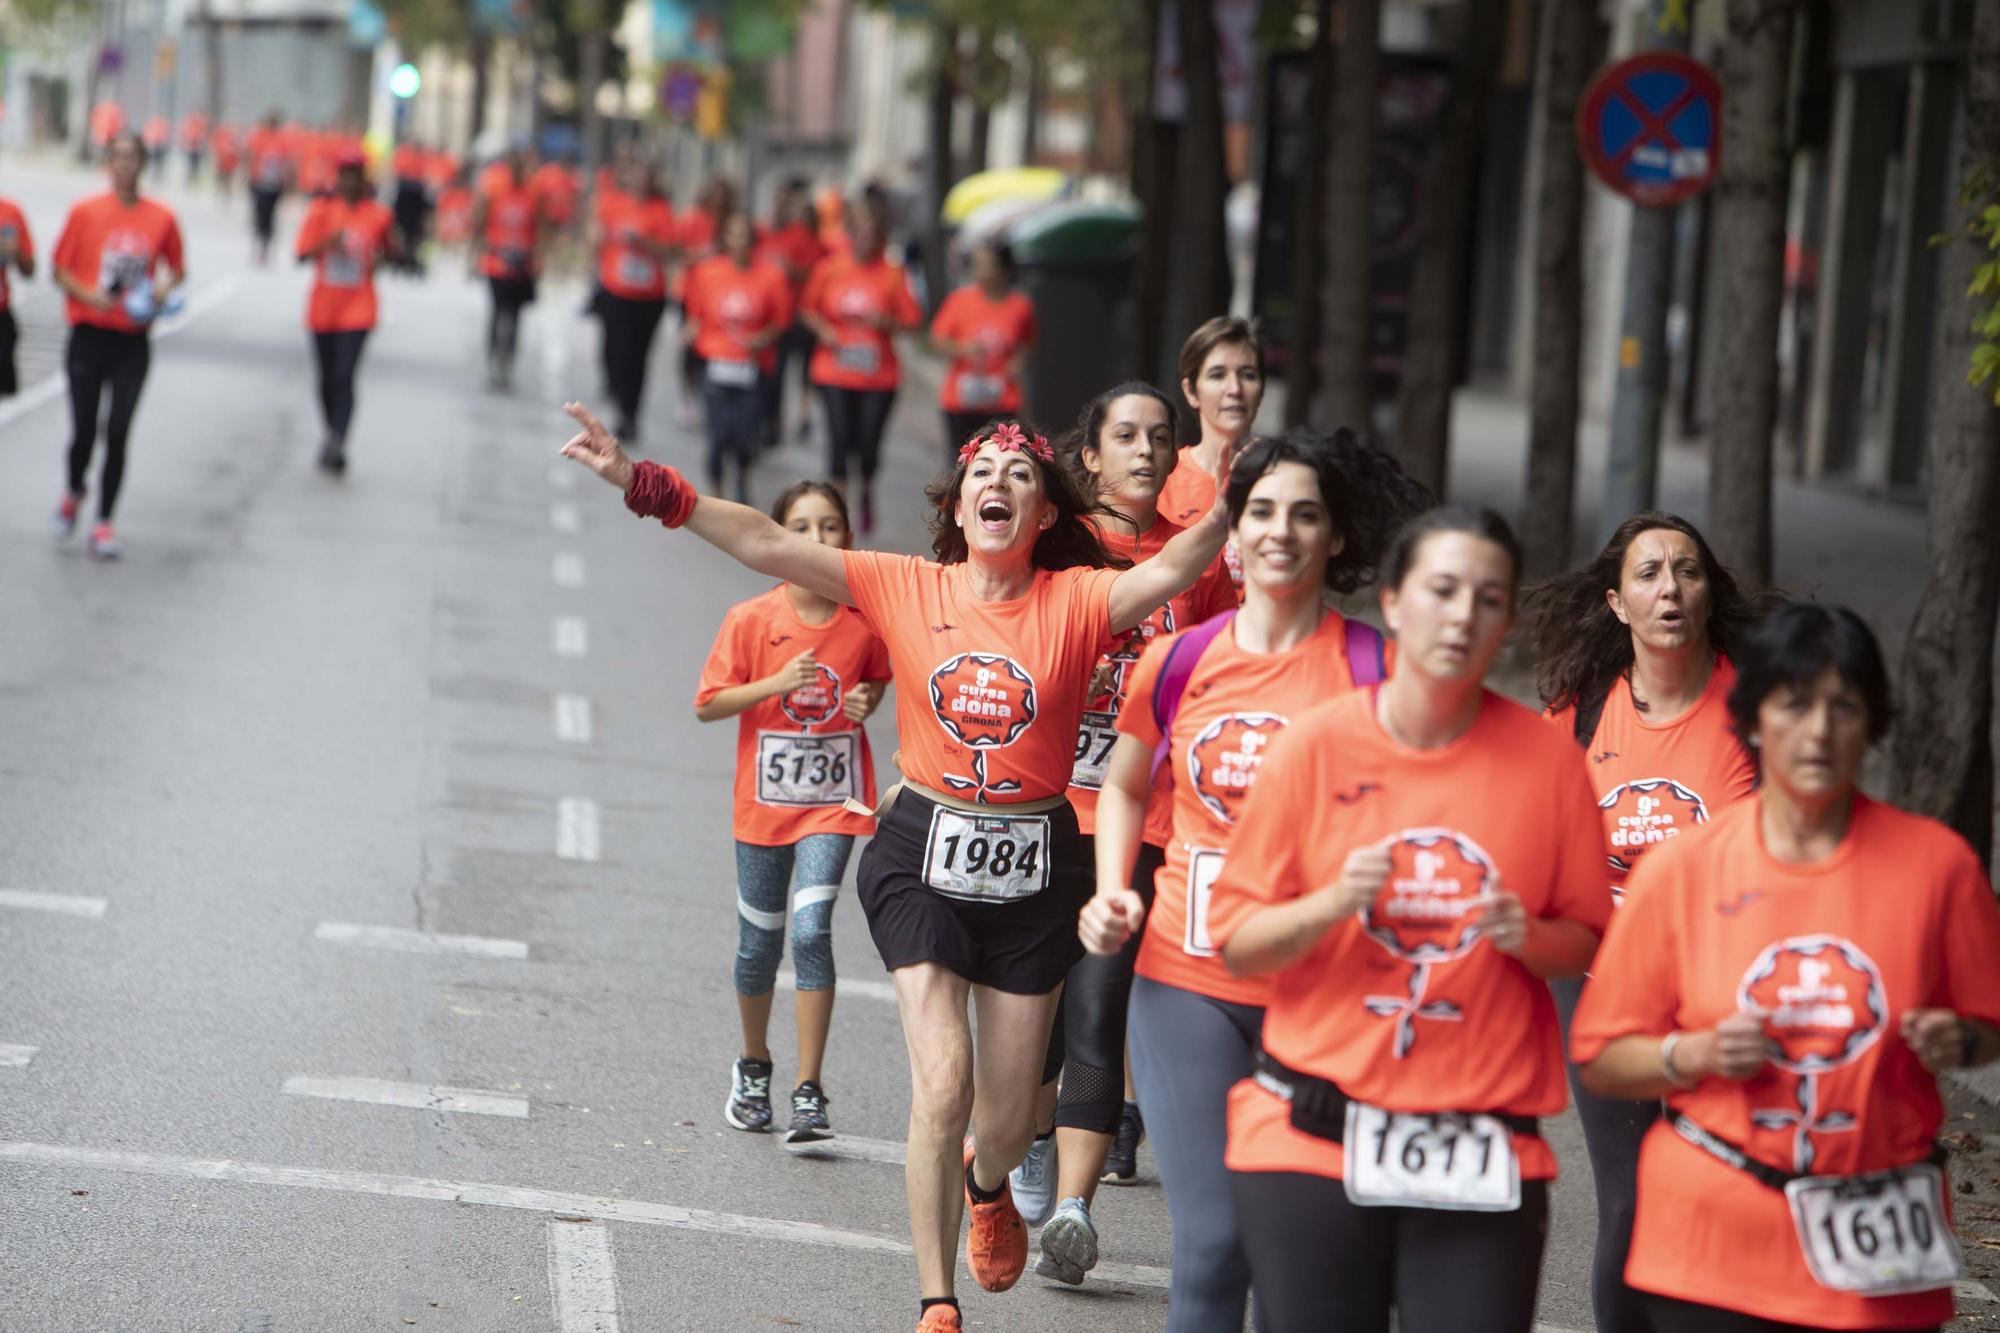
(1008, 435)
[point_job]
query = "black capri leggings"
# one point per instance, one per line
(629, 329)
(1321, 1264)
(1096, 1000)
(264, 212)
(855, 420)
(1671, 1316)
(503, 326)
(99, 356)
(339, 356)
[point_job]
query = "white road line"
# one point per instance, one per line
(457, 1191)
(576, 829)
(382, 1092)
(866, 990)
(583, 1283)
(1970, 1289)
(565, 518)
(572, 718)
(66, 904)
(16, 1057)
(846, 1147)
(571, 637)
(567, 569)
(562, 476)
(418, 941)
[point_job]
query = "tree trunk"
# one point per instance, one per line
(1568, 41)
(1031, 109)
(938, 162)
(982, 104)
(1941, 755)
(590, 66)
(1155, 150)
(1201, 238)
(211, 59)
(1302, 334)
(1344, 376)
(482, 70)
(1449, 194)
(1750, 254)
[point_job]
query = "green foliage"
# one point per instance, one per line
(1980, 195)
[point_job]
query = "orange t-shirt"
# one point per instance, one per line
(558, 190)
(112, 246)
(11, 218)
(268, 156)
(1404, 1007)
(106, 120)
(454, 215)
(1658, 780)
(795, 249)
(983, 381)
(1899, 917)
(1210, 595)
(408, 162)
(996, 715)
(343, 291)
(727, 304)
(623, 268)
(1190, 493)
(440, 170)
(194, 132)
(513, 224)
(788, 788)
(227, 147)
(1236, 703)
(850, 296)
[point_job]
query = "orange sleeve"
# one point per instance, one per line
(946, 319)
(1089, 604)
(877, 583)
(1968, 981)
(170, 246)
(878, 661)
(22, 238)
(1135, 716)
(1263, 867)
(1634, 984)
(68, 243)
(907, 311)
(815, 288)
(727, 663)
(692, 295)
(1579, 890)
(781, 296)
(310, 229)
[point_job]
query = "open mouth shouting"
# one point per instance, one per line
(995, 513)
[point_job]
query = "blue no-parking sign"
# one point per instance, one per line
(1650, 127)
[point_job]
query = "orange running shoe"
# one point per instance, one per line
(997, 1249)
(939, 1319)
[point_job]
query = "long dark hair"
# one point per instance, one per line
(1090, 421)
(1070, 541)
(1581, 647)
(1366, 493)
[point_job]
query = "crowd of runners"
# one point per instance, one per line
(1339, 997)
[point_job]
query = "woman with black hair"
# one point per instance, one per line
(986, 329)
(1634, 652)
(1418, 860)
(1308, 513)
(1792, 982)
(973, 880)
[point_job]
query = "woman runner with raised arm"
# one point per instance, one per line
(973, 880)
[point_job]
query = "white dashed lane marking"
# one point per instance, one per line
(16, 1057)
(418, 941)
(583, 1282)
(567, 569)
(62, 903)
(416, 1096)
(572, 719)
(562, 476)
(866, 990)
(565, 518)
(576, 829)
(571, 637)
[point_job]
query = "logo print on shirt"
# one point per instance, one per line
(1825, 1005)
(1223, 759)
(1649, 811)
(816, 704)
(1425, 916)
(1604, 757)
(1735, 906)
(984, 701)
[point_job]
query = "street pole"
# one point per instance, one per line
(1639, 392)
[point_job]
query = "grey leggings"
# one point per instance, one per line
(808, 872)
(1188, 1051)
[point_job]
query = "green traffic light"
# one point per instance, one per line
(405, 80)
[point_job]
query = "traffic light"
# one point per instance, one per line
(404, 81)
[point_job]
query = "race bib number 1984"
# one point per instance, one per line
(1459, 1163)
(987, 858)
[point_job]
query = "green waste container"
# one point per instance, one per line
(1074, 260)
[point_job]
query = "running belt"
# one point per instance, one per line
(1319, 1107)
(1731, 1154)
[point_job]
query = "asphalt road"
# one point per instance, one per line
(301, 713)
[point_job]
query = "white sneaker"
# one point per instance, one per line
(1069, 1244)
(1034, 1182)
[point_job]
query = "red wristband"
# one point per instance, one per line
(661, 492)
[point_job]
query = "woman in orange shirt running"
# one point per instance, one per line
(1419, 859)
(986, 328)
(1792, 982)
(344, 236)
(738, 307)
(973, 880)
(801, 673)
(1310, 514)
(507, 223)
(1635, 654)
(1222, 378)
(634, 230)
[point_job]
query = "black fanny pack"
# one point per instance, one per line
(1733, 1154)
(1319, 1107)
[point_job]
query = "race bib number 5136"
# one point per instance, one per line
(1459, 1163)
(798, 770)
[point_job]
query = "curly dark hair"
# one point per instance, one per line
(1070, 541)
(1367, 496)
(1581, 648)
(1090, 423)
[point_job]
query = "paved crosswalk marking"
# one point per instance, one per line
(583, 1282)
(572, 719)
(576, 829)
(562, 476)
(382, 1092)
(571, 637)
(567, 569)
(565, 518)
(16, 1057)
(63, 903)
(418, 941)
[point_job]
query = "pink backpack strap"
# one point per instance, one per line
(1367, 658)
(1176, 672)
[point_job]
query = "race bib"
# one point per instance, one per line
(987, 858)
(271, 175)
(343, 268)
(513, 258)
(1459, 1163)
(1094, 741)
(800, 770)
(733, 374)
(1204, 868)
(1878, 1234)
(638, 271)
(981, 391)
(858, 358)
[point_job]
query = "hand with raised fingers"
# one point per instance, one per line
(597, 448)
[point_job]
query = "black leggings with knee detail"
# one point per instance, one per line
(1320, 1263)
(99, 357)
(1096, 1000)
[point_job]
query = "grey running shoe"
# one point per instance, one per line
(809, 1123)
(1069, 1244)
(749, 1104)
(1034, 1182)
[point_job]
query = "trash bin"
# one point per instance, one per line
(1074, 260)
